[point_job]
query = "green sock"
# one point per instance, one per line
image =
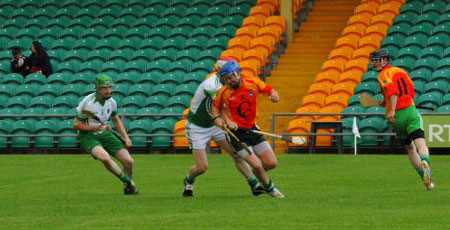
(124, 177)
(425, 158)
(252, 181)
(189, 180)
(270, 186)
(420, 172)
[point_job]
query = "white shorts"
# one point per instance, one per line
(198, 136)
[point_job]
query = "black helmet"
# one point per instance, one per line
(381, 53)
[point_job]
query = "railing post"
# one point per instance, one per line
(272, 130)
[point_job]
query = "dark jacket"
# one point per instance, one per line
(40, 64)
(24, 70)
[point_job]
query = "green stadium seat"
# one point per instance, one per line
(141, 90)
(435, 52)
(202, 3)
(152, 11)
(45, 127)
(127, 16)
(72, 90)
(79, 55)
(69, 12)
(370, 76)
(66, 102)
(82, 22)
(97, 55)
(102, 22)
(135, 102)
(5, 127)
(185, 90)
(27, 33)
(68, 67)
(446, 99)
(441, 75)
(5, 67)
(7, 90)
(181, 102)
(208, 55)
(26, 90)
(154, 43)
(114, 66)
(422, 75)
(414, 7)
(55, 55)
(115, 32)
(407, 64)
(41, 102)
(419, 87)
(37, 22)
(32, 111)
(10, 111)
(171, 110)
(165, 54)
(163, 89)
(71, 3)
(143, 55)
(93, 32)
(88, 89)
(428, 63)
(177, 11)
(23, 43)
(437, 87)
(240, 11)
(439, 40)
(66, 127)
(175, 3)
(150, 78)
(17, 22)
(444, 18)
(121, 89)
(427, 18)
(126, 78)
(148, 110)
(23, 12)
(195, 43)
(371, 88)
(21, 127)
(139, 127)
(412, 53)
(171, 78)
(18, 102)
(369, 125)
(432, 100)
(202, 65)
(202, 32)
(58, 22)
(442, 29)
(52, 32)
(418, 40)
(92, 66)
(173, 43)
(137, 3)
(196, 11)
(157, 101)
(114, 3)
(158, 66)
(137, 33)
(213, 21)
(194, 77)
(224, 32)
(233, 21)
(183, 32)
(112, 11)
(167, 22)
(63, 44)
(187, 54)
(353, 109)
(434, 6)
(162, 127)
(443, 63)
(182, 67)
(443, 109)
(189, 22)
(107, 43)
(137, 66)
(120, 54)
(127, 110)
(220, 11)
(90, 11)
(424, 29)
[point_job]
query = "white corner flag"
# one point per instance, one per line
(355, 132)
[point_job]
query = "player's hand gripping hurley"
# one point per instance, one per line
(93, 116)
(225, 127)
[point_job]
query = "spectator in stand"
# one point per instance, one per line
(20, 64)
(40, 61)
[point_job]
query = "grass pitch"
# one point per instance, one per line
(322, 192)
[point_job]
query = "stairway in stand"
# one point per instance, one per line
(302, 61)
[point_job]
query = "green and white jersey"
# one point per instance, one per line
(200, 111)
(104, 110)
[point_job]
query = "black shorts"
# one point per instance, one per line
(244, 135)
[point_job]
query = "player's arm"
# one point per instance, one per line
(217, 105)
(80, 125)
(391, 113)
(266, 90)
(119, 125)
(230, 123)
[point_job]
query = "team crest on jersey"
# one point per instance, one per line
(232, 98)
(250, 93)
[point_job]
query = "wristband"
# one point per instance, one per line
(214, 118)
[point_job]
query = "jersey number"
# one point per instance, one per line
(402, 87)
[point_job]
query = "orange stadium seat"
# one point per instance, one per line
(344, 53)
(351, 75)
(255, 20)
(235, 53)
(259, 54)
(248, 31)
(357, 64)
(327, 76)
(350, 40)
(378, 29)
(356, 29)
(333, 64)
(337, 99)
(392, 7)
(362, 52)
(362, 18)
(241, 42)
(250, 67)
(374, 1)
(272, 31)
(344, 87)
(298, 126)
(272, 5)
(261, 10)
(185, 112)
(307, 109)
(370, 40)
(276, 20)
(265, 42)
(330, 109)
(321, 88)
(383, 18)
(317, 100)
(179, 128)
(368, 7)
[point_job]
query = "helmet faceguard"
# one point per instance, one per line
(103, 85)
(379, 59)
(221, 61)
(231, 70)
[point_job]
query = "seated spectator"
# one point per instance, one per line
(20, 64)
(40, 61)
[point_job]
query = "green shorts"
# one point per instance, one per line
(107, 140)
(407, 120)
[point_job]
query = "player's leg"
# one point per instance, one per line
(128, 162)
(265, 152)
(102, 155)
(244, 168)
